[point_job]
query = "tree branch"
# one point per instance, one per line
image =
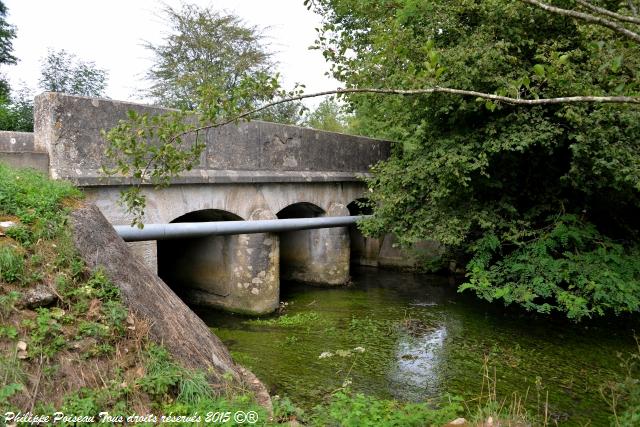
(428, 91)
(607, 12)
(587, 18)
(632, 7)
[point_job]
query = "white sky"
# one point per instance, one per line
(111, 33)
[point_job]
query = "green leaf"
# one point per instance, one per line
(539, 70)
(616, 63)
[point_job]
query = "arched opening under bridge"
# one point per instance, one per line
(236, 272)
(319, 256)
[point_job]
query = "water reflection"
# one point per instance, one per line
(417, 370)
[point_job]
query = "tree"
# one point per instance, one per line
(517, 129)
(205, 51)
(61, 71)
(328, 116)
(7, 34)
(16, 114)
(210, 57)
(541, 203)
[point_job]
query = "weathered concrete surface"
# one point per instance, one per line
(318, 256)
(364, 250)
(384, 252)
(12, 142)
(315, 256)
(239, 273)
(68, 128)
(38, 161)
(17, 150)
(393, 257)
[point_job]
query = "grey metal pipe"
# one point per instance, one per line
(184, 230)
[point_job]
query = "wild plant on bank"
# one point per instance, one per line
(623, 396)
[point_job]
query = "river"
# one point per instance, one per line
(421, 340)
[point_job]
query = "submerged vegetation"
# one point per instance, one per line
(398, 336)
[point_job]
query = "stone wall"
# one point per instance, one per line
(17, 150)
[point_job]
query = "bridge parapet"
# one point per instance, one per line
(68, 129)
(17, 149)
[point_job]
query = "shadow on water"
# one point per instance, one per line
(422, 339)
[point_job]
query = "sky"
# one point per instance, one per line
(112, 33)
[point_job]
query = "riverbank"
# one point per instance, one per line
(68, 343)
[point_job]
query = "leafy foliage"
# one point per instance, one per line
(62, 71)
(204, 49)
(7, 34)
(472, 172)
(16, 113)
(347, 409)
(328, 116)
(570, 268)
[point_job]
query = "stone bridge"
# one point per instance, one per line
(251, 171)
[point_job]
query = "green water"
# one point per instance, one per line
(421, 340)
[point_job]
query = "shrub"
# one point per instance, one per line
(570, 268)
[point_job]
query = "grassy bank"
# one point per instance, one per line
(67, 343)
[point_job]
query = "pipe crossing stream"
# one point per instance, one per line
(185, 230)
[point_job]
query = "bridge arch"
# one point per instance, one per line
(364, 250)
(319, 256)
(236, 272)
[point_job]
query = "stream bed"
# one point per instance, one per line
(412, 337)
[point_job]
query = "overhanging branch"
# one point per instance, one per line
(607, 12)
(586, 17)
(428, 91)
